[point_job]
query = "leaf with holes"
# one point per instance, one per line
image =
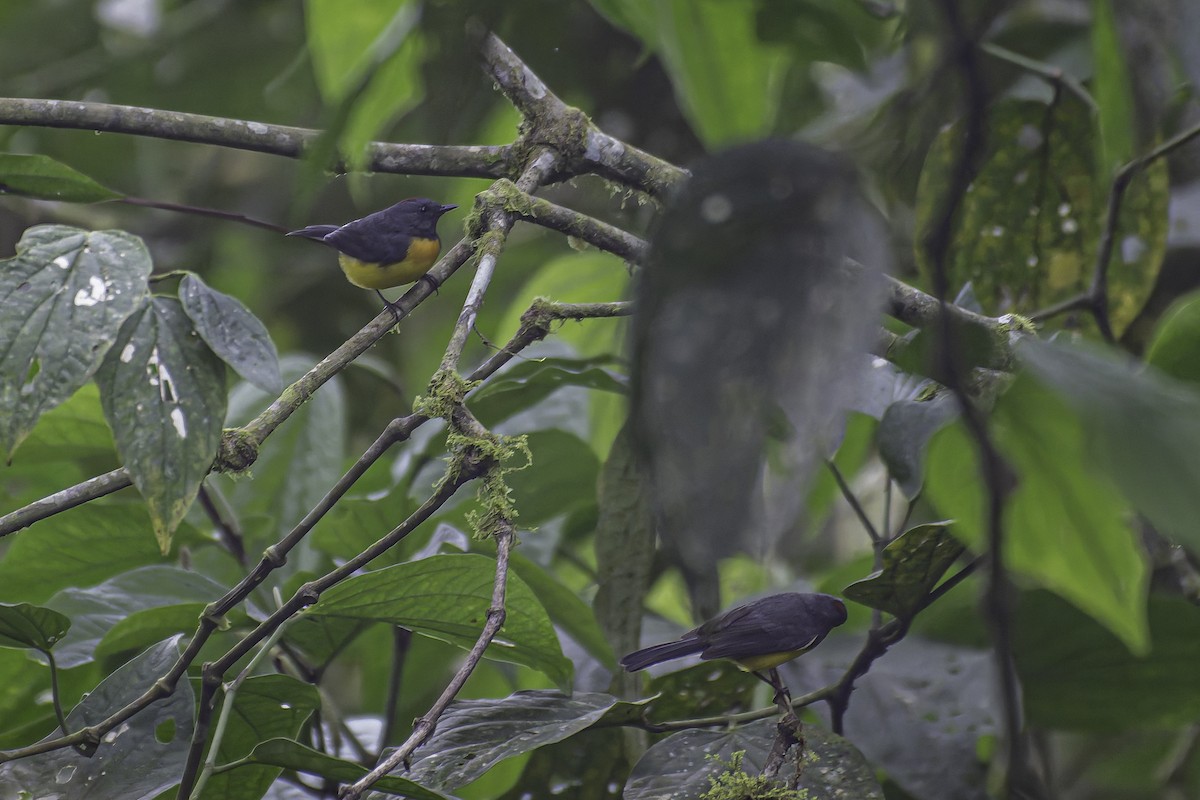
(65, 295)
(163, 392)
(1027, 232)
(912, 565)
(140, 758)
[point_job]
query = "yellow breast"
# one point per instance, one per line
(421, 255)
(759, 663)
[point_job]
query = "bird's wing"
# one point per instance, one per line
(370, 241)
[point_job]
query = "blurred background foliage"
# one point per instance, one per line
(679, 78)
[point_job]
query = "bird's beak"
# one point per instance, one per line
(448, 208)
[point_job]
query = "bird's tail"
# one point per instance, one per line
(318, 232)
(640, 659)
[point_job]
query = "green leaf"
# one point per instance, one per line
(26, 626)
(73, 431)
(561, 478)
(301, 460)
(121, 603)
(727, 81)
(288, 754)
(529, 382)
(367, 65)
(913, 564)
(233, 333)
(1143, 431)
(1075, 674)
(163, 392)
(65, 295)
(447, 597)
(44, 178)
(141, 758)
(566, 610)
(265, 707)
(475, 735)
(100, 541)
(1112, 90)
(1175, 346)
(1027, 231)
(1065, 526)
(675, 767)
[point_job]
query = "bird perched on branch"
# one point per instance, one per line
(389, 248)
(757, 636)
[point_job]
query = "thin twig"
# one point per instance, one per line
(76, 495)
(848, 493)
(1053, 74)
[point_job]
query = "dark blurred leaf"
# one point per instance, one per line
(233, 333)
(266, 707)
(1143, 432)
(1112, 91)
(1065, 527)
(904, 434)
(100, 541)
(474, 735)
(288, 754)
(44, 178)
(1027, 230)
(676, 769)
(26, 626)
(816, 30)
(1075, 674)
(921, 715)
(96, 610)
(65, 295)
(528, 382)
(913, 564)
(447, 597)
(163, 392)
(139, 759)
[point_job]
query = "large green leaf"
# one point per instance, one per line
(121, 603)
(529, 382)
(1142, 431)
(447, 597)
(46, 179)
(265, 707)
(163, 392)
(1111, 87)
(1076, 674)
(64, 297)
(1175, 347)
(233, 333)
(1065, 526)
(141, 758)
(1027, 231)
(566, 610)
(74, 430)
(367, 65)
(80, 547)
(561, 478)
